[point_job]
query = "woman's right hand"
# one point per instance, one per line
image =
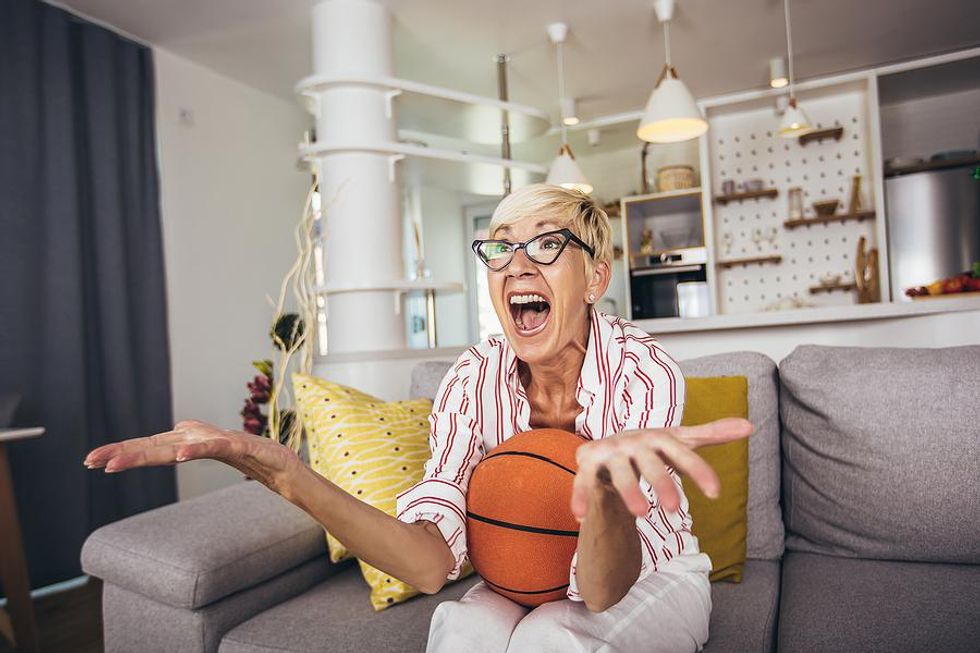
(255, 456)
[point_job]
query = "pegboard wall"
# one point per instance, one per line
(745, 145)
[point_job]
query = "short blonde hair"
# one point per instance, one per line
(571, 208)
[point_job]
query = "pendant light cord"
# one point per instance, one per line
(667, 41)
(789, 50)
(561, 93)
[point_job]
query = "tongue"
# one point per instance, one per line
(531, 317)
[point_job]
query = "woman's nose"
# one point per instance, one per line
(521, 265)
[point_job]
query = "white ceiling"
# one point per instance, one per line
(614, 53)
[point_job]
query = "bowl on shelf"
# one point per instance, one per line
(826, 207)
(752, 185)
(676, 238)
(830, 279)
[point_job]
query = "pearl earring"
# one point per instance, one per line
(591, 298)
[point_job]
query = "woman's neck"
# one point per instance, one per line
(553, 382)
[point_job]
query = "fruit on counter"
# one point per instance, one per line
(968, 281)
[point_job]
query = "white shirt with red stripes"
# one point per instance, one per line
(627, 382)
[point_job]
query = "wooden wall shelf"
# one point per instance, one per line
(730, 263)
(748, 195)
(837, 286)
(819, 134)
(824, 219)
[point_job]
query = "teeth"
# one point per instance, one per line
(526, 299)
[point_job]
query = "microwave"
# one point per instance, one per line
(660, 285)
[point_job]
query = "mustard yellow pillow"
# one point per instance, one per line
(371, 449)
(720, 524)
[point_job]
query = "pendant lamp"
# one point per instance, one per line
(671, 114)
(564, 171)
(795, 121)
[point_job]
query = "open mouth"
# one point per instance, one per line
(529, 311)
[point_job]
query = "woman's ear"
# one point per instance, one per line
(599, 282)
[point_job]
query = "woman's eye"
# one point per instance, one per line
(550, 243)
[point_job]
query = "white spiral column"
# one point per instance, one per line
(363, 234)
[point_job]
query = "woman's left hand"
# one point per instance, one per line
(620, 460)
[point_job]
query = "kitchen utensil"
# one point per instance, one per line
(675, 178)
(856, 202)
(826, 207)
(866, 274)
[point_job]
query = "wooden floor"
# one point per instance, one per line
(69, 621)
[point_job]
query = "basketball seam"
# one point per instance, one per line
(520, 527)
(530, 455)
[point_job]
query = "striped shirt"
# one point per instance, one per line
(627, 382)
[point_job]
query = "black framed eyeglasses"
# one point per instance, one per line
(543, 249)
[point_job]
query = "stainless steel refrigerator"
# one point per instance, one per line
(933, 219)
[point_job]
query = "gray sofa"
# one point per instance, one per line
(864, 529)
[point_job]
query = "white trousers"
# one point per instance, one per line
(665, 612)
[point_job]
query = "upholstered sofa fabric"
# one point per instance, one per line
(336, 616)
(744, 615)
(832, 604)
(192, 553)
(881, 452)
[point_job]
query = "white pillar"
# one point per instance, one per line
(360, 200)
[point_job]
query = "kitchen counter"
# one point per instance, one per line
(852, 313)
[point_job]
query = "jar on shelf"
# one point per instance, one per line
(795, 203)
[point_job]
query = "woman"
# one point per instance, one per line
(637, 581)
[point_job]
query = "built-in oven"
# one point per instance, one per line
(670, 284)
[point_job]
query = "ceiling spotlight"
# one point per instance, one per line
(569, 116)
(777, 73)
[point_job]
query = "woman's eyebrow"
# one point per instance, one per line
(543, 223)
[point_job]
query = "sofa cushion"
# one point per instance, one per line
(337, 616)
(765, 524)
(191, 553)
(743, 616)
(842, 604)
(881, 454)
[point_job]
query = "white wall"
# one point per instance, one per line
(231, 195)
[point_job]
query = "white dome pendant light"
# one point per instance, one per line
(564, 170)
(671, 114)
(795, 121)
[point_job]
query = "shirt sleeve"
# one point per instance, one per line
(653, 398)
(456, 446)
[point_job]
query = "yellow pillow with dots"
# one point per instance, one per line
(372, 449)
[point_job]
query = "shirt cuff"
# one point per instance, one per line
(444, 504)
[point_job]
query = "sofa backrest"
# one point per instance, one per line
(765, 524)
(881, 452)
(765, 537)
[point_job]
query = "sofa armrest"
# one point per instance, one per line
(192, 553)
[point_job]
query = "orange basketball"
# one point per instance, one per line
(520, 530)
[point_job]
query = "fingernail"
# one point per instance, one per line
(181, 459)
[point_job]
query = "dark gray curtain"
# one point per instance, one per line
(83, 321)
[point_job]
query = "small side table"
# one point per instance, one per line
(17, 621)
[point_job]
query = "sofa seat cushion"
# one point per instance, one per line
(743, 616)
(843, 604)
(336, 615)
